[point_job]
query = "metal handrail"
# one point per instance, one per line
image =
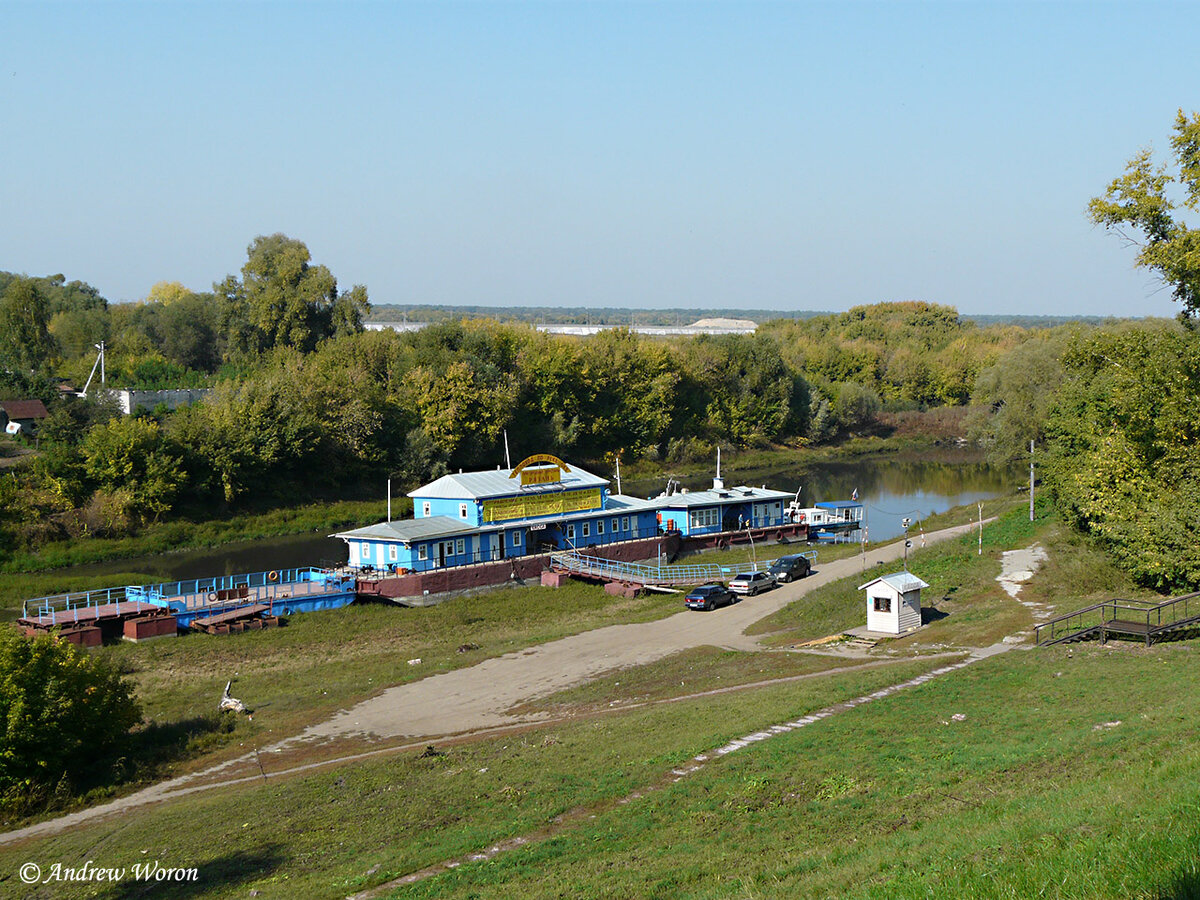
(158, 594)
(1146, 612)
(596, 565)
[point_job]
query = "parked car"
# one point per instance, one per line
(709, 596)
(789, 568)
(752, 583)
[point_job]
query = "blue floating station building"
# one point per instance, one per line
(470, 530)
(542, 505)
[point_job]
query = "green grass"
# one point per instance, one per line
(321, 662)
(683, 674)
(1032, 794)
(318, 835)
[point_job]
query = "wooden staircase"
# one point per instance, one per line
(1124, 618)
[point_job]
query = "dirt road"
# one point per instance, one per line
(479, 697)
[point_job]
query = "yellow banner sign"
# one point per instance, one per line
(540, 505)
(539, 475)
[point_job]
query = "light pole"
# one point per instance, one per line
(906, 522)
(389, 494)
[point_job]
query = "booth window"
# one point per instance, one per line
(883, 604)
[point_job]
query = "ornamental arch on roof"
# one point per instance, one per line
(541, 468)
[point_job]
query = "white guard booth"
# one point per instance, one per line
(894, 603)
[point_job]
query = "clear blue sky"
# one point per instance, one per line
(786, 156)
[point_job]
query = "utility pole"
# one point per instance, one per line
(1031, 481)
(906, 522)
(980, 530)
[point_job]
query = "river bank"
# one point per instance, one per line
(326, 516)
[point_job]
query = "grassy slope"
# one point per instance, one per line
(319, 835)
(1025, 795)
(1033, 794)
(321, 662)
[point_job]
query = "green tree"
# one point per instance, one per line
(1014, 396)
(629, 394)
(25, 342)
(1122, 437)
(283, 300)
(63, 713)
(130, 455)
(1138, 201)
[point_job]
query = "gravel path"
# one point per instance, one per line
(479, 697)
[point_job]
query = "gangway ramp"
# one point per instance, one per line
(1142, 619)
(582, 565)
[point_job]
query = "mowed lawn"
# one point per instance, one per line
(1058, 772)
(1052, 772)
(1040, 773)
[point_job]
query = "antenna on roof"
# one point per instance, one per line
(718, 484)
(507, 458)
(619, 473)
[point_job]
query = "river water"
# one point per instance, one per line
(891, 487)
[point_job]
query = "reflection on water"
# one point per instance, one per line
(287, 552)
(891, 487)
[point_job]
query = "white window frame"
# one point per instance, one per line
(423, 552)
(599, 527)
(426, 506)
(516, 541)
(624, 523)
(570, 531)
(587, 529)
(460, 546)
(392, 553)
(462, 510)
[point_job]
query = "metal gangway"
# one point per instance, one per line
(580, 564)
(1143, 619)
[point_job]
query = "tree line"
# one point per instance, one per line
(303, 396)
(304, 399)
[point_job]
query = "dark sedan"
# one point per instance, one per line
(709, 596)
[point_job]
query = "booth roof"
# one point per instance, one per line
(897, 581)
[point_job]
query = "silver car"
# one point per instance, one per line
(751, 583)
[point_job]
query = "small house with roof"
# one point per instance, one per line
(894, 603)
(23, 415)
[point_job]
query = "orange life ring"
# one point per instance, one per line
(272, 576)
